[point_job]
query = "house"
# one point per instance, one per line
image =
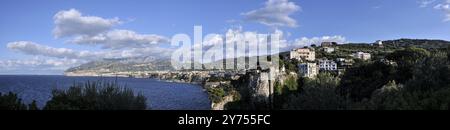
(344, 63)
(309, 70)
(307, 54)
(327, 65)
(328, 49)
(362, 55)
(378, 43)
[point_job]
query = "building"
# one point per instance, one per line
(328, 49)
(327, 65)
(378, 43)
(328, 44)
(309, 70)
(307, 54)
(344, 63)
(362, 55)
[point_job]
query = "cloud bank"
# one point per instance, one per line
(274, 13)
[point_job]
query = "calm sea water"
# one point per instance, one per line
(160, 94)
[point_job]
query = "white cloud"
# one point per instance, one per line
(304, 41)
(32, 48)
(37, 64)
(425, 3)
(274, 13)
(118, 39)
(218, 43)
(445, 7)
(93, 30)
(35, 49)
(73, 23)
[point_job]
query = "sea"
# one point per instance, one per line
(161, 95)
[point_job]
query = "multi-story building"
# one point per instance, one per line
(328, 49)
(378, 43)
(309, 70)
(362, 55)
(327, 65)
(344, 63)
(307, 54)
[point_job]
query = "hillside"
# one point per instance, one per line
(422, 43)
(153, 64)
(127, 64)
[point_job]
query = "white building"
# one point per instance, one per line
(328, 49)
(362, 55)
(380, 43)
(342, 62)
(303, 54)
(309, 70)
(327, 65)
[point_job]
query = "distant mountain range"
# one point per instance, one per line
(154, 64)
(124, 64)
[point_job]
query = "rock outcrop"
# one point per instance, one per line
(221, 105)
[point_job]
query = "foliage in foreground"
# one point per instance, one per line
(96, 96)
(11, 101)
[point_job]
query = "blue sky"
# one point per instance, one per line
(348, 20)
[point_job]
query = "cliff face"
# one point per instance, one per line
(221, 105)
(256, 89)
(260, 88)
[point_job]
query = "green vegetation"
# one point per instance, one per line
(96, 96)
(359, 82)
(10, 101)
(406, 59)
(88, 96)
(420, 80)
(420, 43)
(317, 94)
(216, 94)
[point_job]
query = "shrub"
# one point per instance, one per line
(96, 96)
(10, 101)
(216, 94)
(318, 94)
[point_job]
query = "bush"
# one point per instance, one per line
(361, 81)
(400, 99)
(10, 101)
(216, 94)
(318, 94)
(96, 96)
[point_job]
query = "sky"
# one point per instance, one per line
(49, 36)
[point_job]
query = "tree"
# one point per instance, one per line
(96, 96)
(33, 106)
(11, 101)
(318, 94)
(431, 73)
(216, 94)
(405, 60)
(361, 81)
(448, 53)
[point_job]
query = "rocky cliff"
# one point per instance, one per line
(256, 89)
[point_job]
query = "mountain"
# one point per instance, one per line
(124, 64)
